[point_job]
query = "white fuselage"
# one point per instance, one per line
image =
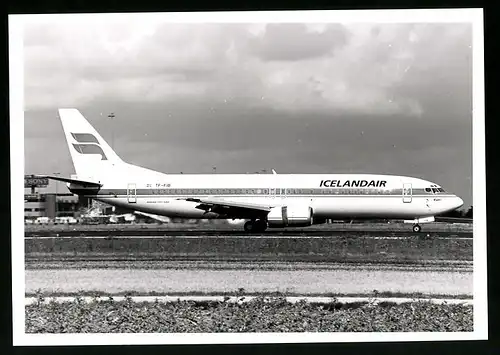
(330, 196)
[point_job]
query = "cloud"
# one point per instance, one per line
(290, 67)
(294, 41)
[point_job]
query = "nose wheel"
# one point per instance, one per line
(255, 226)
(416, 228)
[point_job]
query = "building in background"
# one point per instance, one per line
(50, 204)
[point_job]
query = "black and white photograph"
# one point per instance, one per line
(248, 177)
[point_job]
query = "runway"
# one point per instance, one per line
(231, 233)
(459, 236)
(443, 230)
(350, 279)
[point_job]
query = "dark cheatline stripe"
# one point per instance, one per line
(90, 149)
(265, 192)
(85, 138)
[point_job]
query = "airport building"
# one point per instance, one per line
(40, 203)
(51, 205)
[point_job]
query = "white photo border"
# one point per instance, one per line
(16, 65)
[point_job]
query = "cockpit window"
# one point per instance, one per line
(434, 190)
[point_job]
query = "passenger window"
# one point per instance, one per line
(427, 189)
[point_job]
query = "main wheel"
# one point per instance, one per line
(417, 228)
(260, 226)
(249, 226)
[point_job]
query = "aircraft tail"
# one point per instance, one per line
(92, 157)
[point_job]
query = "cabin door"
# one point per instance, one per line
(131, 193)
(407, 193)
(272, 192)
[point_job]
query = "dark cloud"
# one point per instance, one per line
(293, 41)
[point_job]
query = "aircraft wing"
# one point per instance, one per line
(231, 208)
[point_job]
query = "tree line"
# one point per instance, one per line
(459, 213)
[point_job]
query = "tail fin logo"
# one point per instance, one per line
(88, 144)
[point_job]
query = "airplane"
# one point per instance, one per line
(263, 200)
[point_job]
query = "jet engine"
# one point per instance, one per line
(284, 216)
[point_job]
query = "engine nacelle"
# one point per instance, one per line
(284, 216)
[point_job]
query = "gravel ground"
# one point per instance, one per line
(209, 281)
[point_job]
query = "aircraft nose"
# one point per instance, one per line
(459, 202)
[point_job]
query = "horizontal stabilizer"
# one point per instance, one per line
(83, 183)
(154, 216)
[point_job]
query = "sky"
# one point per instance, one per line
(384, 98)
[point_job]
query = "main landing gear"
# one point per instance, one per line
(417, 228)
(255, 226)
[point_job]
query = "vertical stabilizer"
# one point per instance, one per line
(92, 157)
